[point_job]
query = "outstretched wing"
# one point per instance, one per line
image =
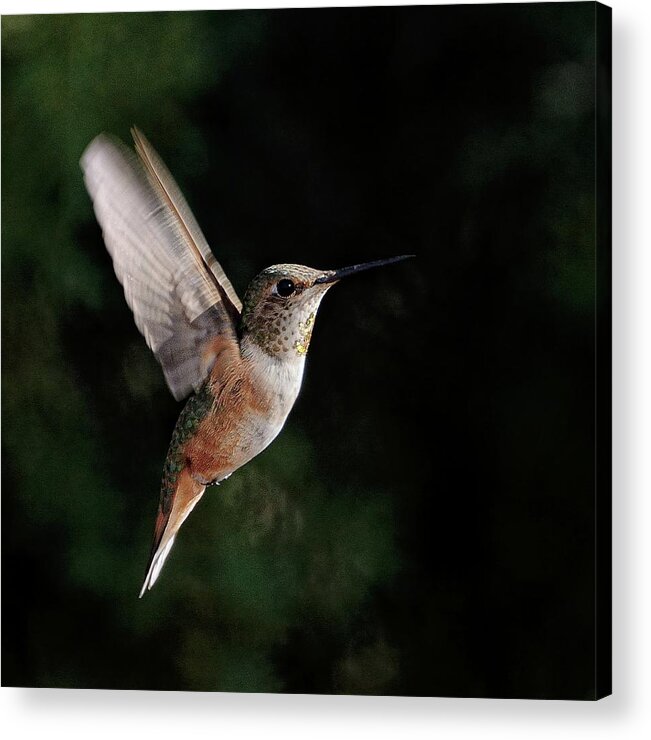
(178, 292)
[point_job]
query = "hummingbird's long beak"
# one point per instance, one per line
(332, 275)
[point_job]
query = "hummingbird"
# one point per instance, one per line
(239, 363)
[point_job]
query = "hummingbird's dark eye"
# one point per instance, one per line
(285, 288)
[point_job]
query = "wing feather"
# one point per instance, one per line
(182, 215)
(178, 292)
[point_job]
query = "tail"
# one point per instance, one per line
(176, 503)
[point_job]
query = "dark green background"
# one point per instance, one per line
(425, 522)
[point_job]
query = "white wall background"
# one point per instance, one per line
(53, 714)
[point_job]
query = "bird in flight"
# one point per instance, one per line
(240, 363)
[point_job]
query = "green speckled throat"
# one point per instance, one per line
(282, 325)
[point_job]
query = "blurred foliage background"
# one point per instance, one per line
(424, 524)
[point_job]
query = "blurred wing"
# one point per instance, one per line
(178, 292)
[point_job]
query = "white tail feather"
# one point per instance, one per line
(156, 566)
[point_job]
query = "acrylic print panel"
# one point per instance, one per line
(433, 518)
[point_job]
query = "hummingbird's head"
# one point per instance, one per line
(281, 302)
(279, 308)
